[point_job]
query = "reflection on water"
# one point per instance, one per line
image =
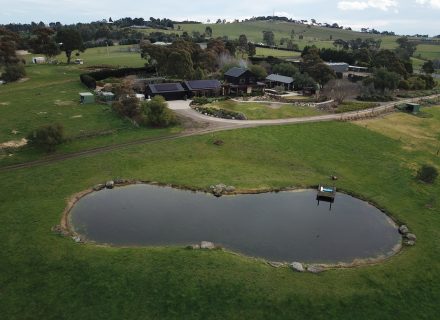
(284, 226)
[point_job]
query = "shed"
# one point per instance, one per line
(338, 67)
(38, 60)
(170, 91)
(86, 98)
(107, 96)
(414, 108)
(207, 88)
(275, 80)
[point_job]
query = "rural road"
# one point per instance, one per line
(209, 125)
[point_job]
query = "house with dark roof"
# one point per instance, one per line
(276, 80)
(170, 91)
(203, 88)
(241, 81)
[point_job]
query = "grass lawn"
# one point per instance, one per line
(44, 276)
(265, 52)
(348, 106)
(50, 95)
(258, 111)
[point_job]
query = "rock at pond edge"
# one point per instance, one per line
(297, 266)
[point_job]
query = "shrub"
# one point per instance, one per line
(47, 137)
(221, 113)
(13, 72)
(128, 106)
(427, 174)
(404, 85)
(157, 113)
(88, 81)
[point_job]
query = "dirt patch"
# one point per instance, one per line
(62, 103)
(5, 103)
(13, 144)
(23, 80)
(77, 116)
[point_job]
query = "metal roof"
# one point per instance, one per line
(235, 72)
(279, 78)
(203, 84)
(338, 66)
(166, 87)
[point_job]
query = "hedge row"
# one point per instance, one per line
(89, 79)
(220, 113)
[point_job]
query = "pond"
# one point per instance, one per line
(284, 226)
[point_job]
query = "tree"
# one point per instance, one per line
(269, 38)
(47, 137)
(180, 64)
(8, 45)
(13, 72)
(341, 89)
(322, 73)
(128, 106)
(285, 69)
(428, 67)
(157, 112)
(43, 42)
(384, 79)
(208, 32)
(292, 46)
(259, 71)
(243, 44)
(406, 48)
(252, 50)
(70, 40)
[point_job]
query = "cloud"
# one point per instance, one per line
(383, 5)
(433, 3)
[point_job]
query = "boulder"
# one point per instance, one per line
(121, 181)
(218, 190)
(297, 266)
(230, 189)
(207, 245)
(194, 247)
(99, 187)
(275, 264)
(409, 243)
(411, 237)
(110, 184)
(403, 229)
(77, 239)
(315, 269)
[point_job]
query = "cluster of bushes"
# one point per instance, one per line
(200, 101)
(86, 78)
(13, 72)
(153, 113)
(47, 137)
(419, 82)
(427, 174)
(220, 113)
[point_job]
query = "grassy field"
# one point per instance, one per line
(257, 111)
(45, 276)
(321, 37)
(265, 52)
(50, 94)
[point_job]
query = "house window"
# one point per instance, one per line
(242, 81)
(251, 80)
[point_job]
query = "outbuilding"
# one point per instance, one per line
(276, 80)
(203, 88)
(86, 98)
(170, 91)
(38, 60)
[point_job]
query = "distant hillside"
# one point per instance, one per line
(311, 35)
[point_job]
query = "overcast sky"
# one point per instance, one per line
(401, 16)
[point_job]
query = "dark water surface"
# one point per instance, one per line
(285, 226)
